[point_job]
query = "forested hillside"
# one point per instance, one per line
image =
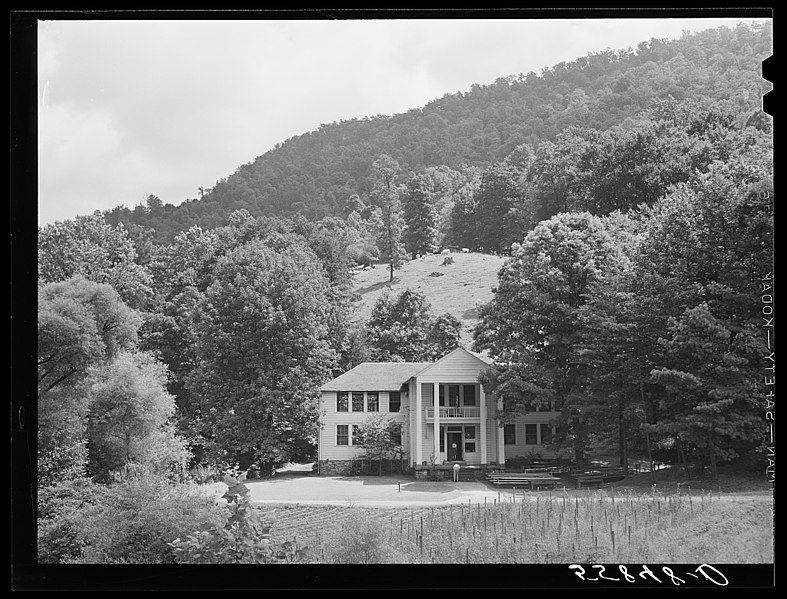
(316, 173)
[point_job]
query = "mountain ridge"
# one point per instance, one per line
(314, 173)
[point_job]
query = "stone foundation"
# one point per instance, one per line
(360, 467)
(334, 467)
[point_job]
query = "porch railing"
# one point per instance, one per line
(455, 412)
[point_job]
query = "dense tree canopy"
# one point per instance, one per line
(90, 247)
(420, 235)
(532, 326)
(402, 329)
(101, 405)
(263, 350)
(80, 323)
(130, 416)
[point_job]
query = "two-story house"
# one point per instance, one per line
(463, 427)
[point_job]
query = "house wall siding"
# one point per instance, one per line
(330, 419)
(521, 449)
(411, 420)
(491, 440)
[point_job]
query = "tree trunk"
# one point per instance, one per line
(390, 236)
(681, 456)
(647, 435)
(650, 459)
(579, 443)
(622, 445)
(712, 459)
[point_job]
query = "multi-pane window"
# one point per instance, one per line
(469, 395)
(453, 395)
(531, 434)
(356, 436)
(546, 434)
(396, 434)
(509, 434)
(442, 395)
(372, 402)
(357, 401)
(442, 438)
(342, 401)
(469, 439)
(394, 401)
(342, 434)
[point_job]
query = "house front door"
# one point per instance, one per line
(454, 446)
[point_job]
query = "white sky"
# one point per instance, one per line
(130, 108)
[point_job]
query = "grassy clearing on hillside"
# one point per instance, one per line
(596, 528)
(462, 287)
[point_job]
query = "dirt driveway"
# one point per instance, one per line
(402, 491)
(370, 491)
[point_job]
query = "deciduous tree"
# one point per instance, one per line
(263, 351)
(420, 234)
(387, 196)
(130, 416)
(402, 329)
(89, 247)
(531, 327)
(80, 324)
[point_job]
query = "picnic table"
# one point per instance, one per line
(598, 475)
(523, 479)
(617, 473)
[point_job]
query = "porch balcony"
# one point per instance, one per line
(454, 412)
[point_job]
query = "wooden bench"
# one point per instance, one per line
(614, 474)
(599, 475)
(522, 479)
(589, 479)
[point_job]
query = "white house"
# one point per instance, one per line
(464, 429)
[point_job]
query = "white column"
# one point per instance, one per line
(419, 432)
(436, 401)
(501, 449)
(482, 404)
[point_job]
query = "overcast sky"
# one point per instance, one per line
(130, 108)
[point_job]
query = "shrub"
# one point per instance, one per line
(516, 462)
(127, 522)
(203, 474)
(240, 537)
(61, 509)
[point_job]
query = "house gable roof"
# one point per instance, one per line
(390, 376)
(460, 353)
(376, 376)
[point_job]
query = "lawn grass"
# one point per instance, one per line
(732, 479)
(463, 287)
